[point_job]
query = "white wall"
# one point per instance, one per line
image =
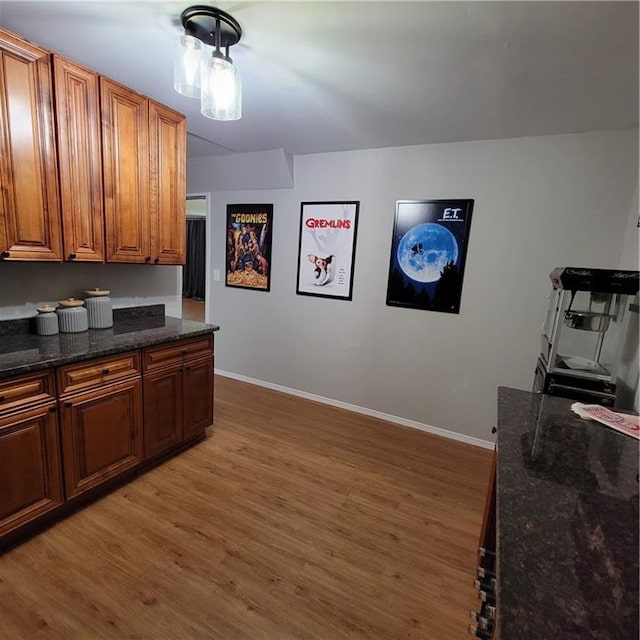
(539, 203)
(26, 285)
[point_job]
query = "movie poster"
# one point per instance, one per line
(428, 253)
(326, 249)
(249, 246)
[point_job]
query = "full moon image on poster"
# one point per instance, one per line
(425, 250)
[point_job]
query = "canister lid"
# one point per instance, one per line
(71, 302)
(46, 308)
(97, 292)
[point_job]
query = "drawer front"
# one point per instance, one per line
(199, 348)
(32, 388)
(94, 373)
(177, 352)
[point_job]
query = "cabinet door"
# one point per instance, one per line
(29, 207)
(101, 435)
(163, 404)
(125, 145)
(167, 157)
(80, 159)
(198, 397)
(30, 477)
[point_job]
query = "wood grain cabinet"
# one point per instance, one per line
(30, 471)
(77, 100)
(102, 424)
(144, 177)
(67, 431)
(30, 227)
(114, 190)
(178, 394)
(484, 625)
(198, 396)
(163, 410)
(167, 166)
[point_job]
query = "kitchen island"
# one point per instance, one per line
(566, 525)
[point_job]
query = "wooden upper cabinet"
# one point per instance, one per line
(114, 190)
(167, 158)
(125, 140)
(29, 206)
(77, 100)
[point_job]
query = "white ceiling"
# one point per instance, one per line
(332, 76)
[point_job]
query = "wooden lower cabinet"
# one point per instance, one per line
(101, 435)
(178, 405)
(163, 409)
(198, 397)
(56, 448)
(485, 625)
(30, 474)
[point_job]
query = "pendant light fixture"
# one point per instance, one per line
(203, 68)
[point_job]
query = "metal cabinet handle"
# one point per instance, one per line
(494, 430)
(53, 409)
(147, 259)
(105, 372)
(72, 256)
(2, 398)
(156, 259)
(5, 254)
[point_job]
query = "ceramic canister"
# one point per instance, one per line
(46, 321)
(72, 316)
(99, 309)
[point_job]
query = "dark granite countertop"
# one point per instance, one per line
(22, 351)
(567, 523)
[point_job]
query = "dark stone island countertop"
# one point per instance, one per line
(21, 351)
(567, 523)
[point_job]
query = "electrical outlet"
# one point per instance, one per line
(216, 274)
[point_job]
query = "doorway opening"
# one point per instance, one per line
(195, 283)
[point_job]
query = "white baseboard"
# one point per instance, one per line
(445, 433)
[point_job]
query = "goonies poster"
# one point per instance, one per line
(428, 253)
(326, 249)
(249, 246)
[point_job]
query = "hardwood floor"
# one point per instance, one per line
(193, 309)
(292, 520)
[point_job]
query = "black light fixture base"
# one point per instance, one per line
(200, 22)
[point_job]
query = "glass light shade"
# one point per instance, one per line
(221, 89)
(186, 68)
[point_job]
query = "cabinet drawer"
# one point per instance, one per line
(177, 352)
(94, 373)
(32, 388)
